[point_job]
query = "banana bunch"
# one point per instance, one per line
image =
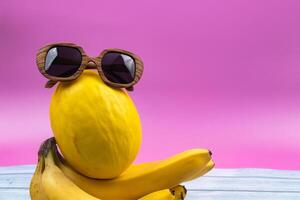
(54, 179)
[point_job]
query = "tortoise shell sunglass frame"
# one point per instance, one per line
(89, 63)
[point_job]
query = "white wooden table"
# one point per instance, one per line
(219, 184)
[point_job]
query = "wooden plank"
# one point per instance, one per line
(14, 194)
(237, 195)
(254, 172)
(219, 184)
(21, 194)
(244, 183)
(216, 180)
(15, 180)
(17, 169)
(202, 183)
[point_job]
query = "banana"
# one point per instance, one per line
(179, 192)
(142, 179)
(205, 169)
(36, 191)
(176, 193)
(161, 195)
(57, 186)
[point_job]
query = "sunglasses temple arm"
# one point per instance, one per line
(50, 84)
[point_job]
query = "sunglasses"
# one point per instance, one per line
(66, 61)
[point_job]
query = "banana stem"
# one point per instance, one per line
(45, 147)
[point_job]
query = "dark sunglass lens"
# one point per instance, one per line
(62, 61)
(118, 67)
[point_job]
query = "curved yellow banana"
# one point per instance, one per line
(176, 193)
(36, 190)
(205, 169)
(179, 192)
(159, 195)
(57, 186)
(142, 179)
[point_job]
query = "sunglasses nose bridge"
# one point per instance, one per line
(92, 64)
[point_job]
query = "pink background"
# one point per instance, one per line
(223, 75)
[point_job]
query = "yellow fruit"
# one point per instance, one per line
(179, 192)
(142, 179)
(159, 195)
(36, 190)
(205, 169)
(57, 186)
(97, 127)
